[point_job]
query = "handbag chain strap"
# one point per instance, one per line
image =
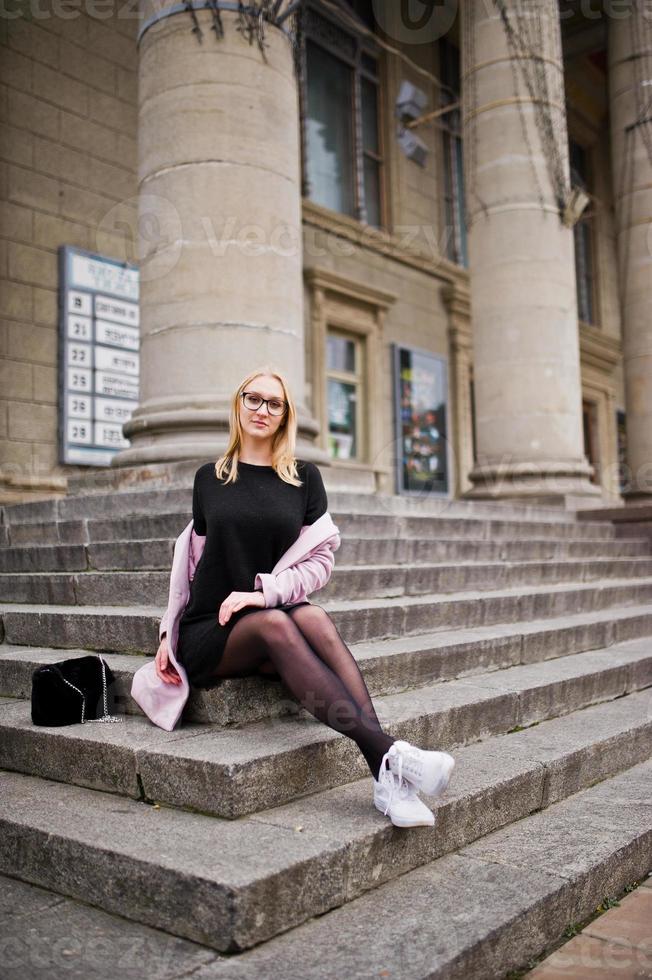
(106, 717)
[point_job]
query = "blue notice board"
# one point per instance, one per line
(99, 355)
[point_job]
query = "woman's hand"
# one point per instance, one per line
(165, 670)
(238, 600)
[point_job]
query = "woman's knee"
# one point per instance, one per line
(278, 621)
(277, 628)
(315, 623)
(316, 613)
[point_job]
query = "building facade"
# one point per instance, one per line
(437, 228)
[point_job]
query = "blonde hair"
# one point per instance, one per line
(283, 446)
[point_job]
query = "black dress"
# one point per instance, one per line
(248, 525)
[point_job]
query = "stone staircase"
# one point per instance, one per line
(517, 638)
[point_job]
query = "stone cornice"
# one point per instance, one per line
(380, 241)
(599, 349)
(331, 281)
(457, 298)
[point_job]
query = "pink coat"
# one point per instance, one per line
(305, 567)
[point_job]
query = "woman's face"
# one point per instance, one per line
(269, 388)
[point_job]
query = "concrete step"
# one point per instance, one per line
(638, 529)
(226, 772)
(134, 629)
(51, 937)
(233, 884)
(179, 496)
(66, 937)
(388, 666)
(375, 581)
(619, 515)
(486, 911)
(156, 553)
(132, 525)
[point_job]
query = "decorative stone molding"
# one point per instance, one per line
(391, 245)
(600, 355)
(598, 349)
(357, 308)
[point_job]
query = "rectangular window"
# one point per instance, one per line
(370, 151)
(344, 384)
(343, 153)
(455, 223)
(583, 233)
(329, 131)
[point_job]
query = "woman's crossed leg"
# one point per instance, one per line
(312, 677)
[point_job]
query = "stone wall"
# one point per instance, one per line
(68, 165)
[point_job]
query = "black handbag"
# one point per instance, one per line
(72, 691)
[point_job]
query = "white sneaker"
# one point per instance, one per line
(397, 797)
(428, 771)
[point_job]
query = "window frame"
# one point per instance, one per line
(358, 379)
(364, 45)
(356, 308)
(453, 202)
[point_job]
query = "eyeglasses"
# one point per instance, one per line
(275, 406)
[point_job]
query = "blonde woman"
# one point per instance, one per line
(251, 505)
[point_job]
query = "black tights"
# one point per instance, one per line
(306, 649)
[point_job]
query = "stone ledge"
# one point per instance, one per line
(213, 879)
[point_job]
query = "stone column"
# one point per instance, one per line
(630, 91)
(523, 297)
(220, 230)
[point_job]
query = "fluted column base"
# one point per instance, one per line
(167, 434)
(544, 482)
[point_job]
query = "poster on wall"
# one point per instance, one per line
(99, 355)
(421, 416)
